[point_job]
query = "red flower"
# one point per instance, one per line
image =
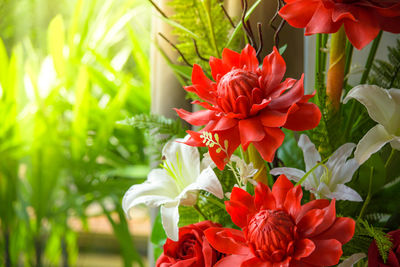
(393, 260)
(362, 19)
(278, 231)
(192, 248)
(247, 104)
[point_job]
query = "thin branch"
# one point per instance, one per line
(260, 38)
(276, 35)
(227, 15)
(176, 48)
(158, 9)
(275, 15)
(198, 52)
(244, 5)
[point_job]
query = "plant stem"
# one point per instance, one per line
(366, 202)
(196, 207)
(390, 158)
(38, 251)
(7, 257)
(371, 58)
(337, 60)
(364, 78)
(212, 32)
(310, 171)
(349, 56)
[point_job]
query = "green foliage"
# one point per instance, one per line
(159, 128)
(363, 236)
(290, 153)
(386, 74)
(192, 15)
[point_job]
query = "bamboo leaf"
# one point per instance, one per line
(56, 41)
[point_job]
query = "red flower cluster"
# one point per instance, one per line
(393, 260)
(362, 19)
(192, 248)
(278, 231)
(247, 104)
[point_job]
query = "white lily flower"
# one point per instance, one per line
(176, 184)
(383, 106)
(325, 181)
(244, 170)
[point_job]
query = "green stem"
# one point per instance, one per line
(196, 207)
(212, 32)
(364, 78)
(310, 171)
(349, 56)
(390, 158)
(371, 58)
(366, 202)
(317, 64)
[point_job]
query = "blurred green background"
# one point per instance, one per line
(69, 71)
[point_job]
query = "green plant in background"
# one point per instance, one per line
(69, 153)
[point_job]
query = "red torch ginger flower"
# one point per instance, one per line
(278, 231)
(362, 19)
(247, 104)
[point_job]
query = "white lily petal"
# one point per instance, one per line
(379, 103)
(343, 192)
(344, 173)
(353, 259)
(310, 153)
(183, 157)
(395, 121)
(372, 141)
(323, 190)
(340, 155)
(170, 219)
(158, 189)
(395, 143)
(207, 181)
(291, 173)
(207, 162)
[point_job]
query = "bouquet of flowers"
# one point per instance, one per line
(271, 175)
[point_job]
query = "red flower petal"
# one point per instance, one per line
(321, 22)
(329, 218)
(232, 260)
(251, 130)
(315, 204)
(231, 58)
(292, 202)
(218, 68)
(310, 221)
(306, 117)
(280, 189)
(248, 58)
(326, 253)
(225, 240)
(341, 230)
(273, 70)
(196, 118)
(256, 262)
(239, 213)
(303, 248)
(275, 118)
(225, 123)
(272, 140)
(363, 31)
(263, 197)
(241, 196)
(299, 13)
(290, 97)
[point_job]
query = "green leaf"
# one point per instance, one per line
(179, 26)
(56, 42)
(290, 153)
(158, 237)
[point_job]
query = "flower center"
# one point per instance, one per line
(270, 235)
(238, 83)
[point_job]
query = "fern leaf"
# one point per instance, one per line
(386, 74)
